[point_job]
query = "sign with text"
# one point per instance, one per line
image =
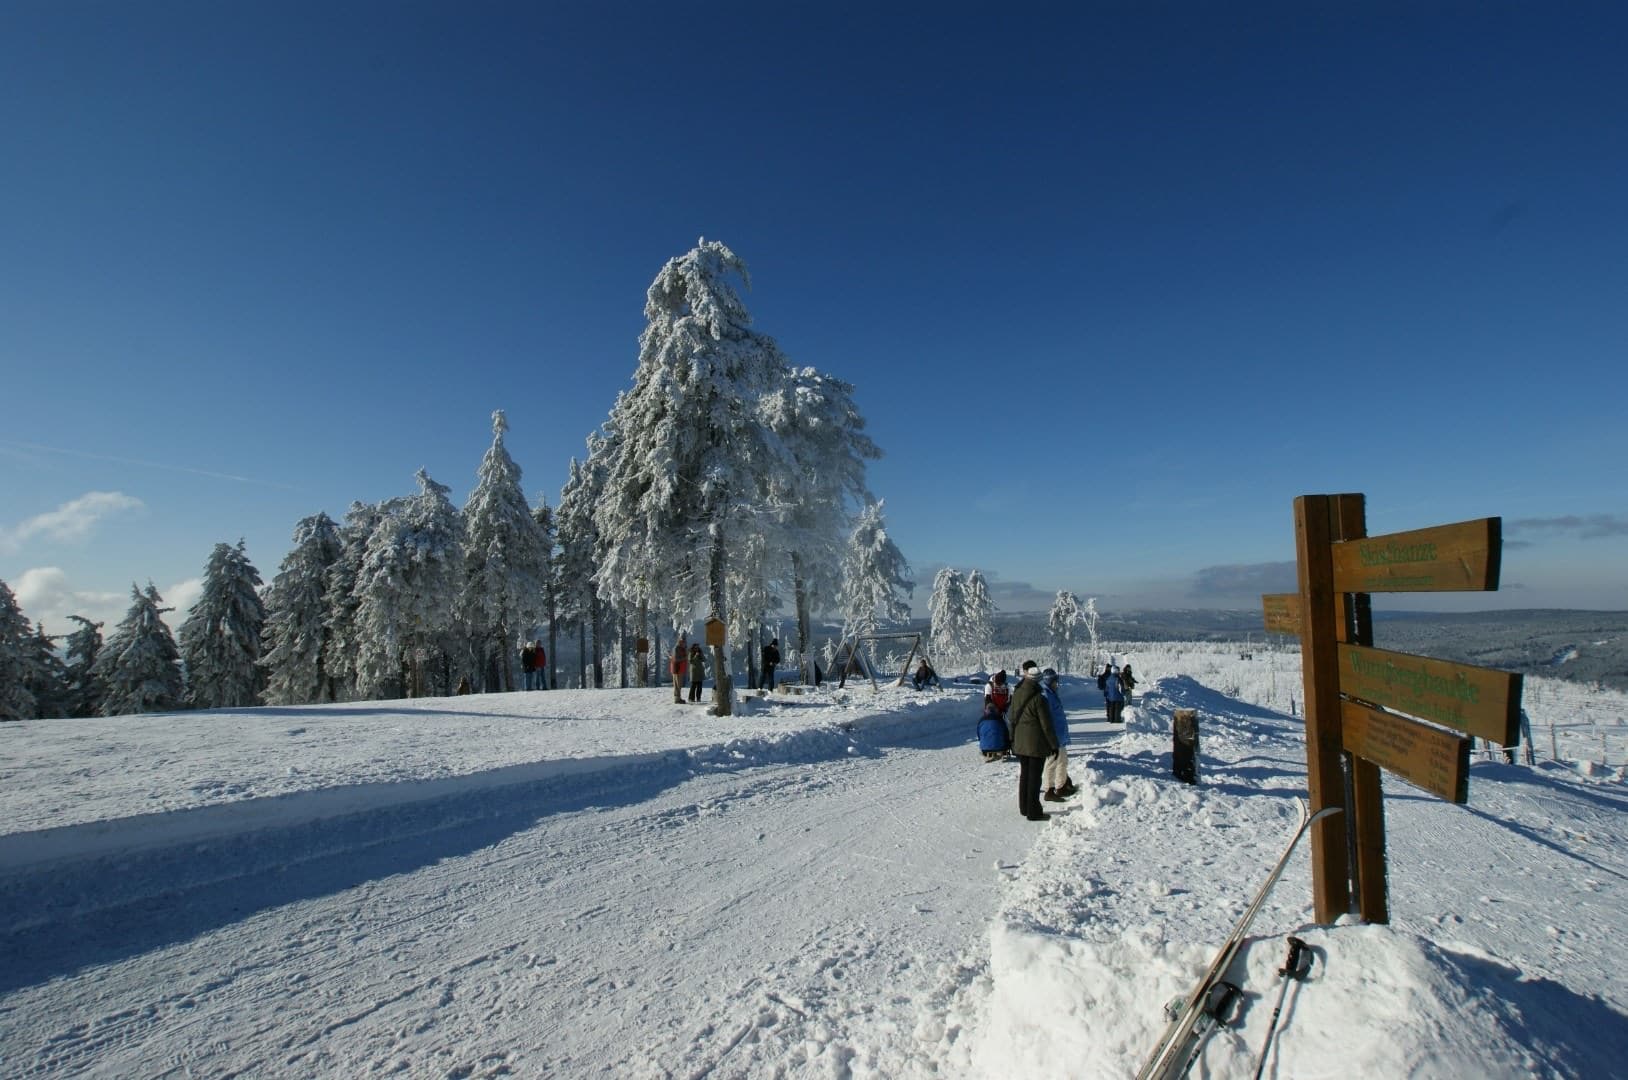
(1447, 558)
(1426, 757)
(1477, 701)
(1282, 612)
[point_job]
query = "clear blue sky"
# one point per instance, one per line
(1115, 282)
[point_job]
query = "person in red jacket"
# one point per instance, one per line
(676, 668)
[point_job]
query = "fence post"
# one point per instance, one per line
(1184, 745)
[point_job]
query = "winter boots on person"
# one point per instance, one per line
(1059, 794)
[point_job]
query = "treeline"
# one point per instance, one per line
(725, 483)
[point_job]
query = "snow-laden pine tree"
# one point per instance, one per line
(220, 639)
(543, 515)
(342, 598)
(412, 572)
(689, 449)
(505, 561)
(980, 609)
(1060, 624)
(47, 676)
(85, 690)
(16, 700)
(1089, 618)
(139, 664)
(947, 611)
(816, 505)
(875, 578)
(579, 556)
(296, 627)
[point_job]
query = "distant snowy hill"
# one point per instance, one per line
(830, 883)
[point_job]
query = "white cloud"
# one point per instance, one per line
(46, 595)
(71, 522)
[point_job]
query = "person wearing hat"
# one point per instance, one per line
(1058, 785)
(1113, 694)
(1034, 739)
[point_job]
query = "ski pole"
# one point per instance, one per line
(1294, 969)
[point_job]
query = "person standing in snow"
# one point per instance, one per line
(677, 666)
(771, 660)
(528, 664)
(539, 665)
(698, 670)
(1058, 785)
(1128, 681)
(1113, 692)
(1033, 740)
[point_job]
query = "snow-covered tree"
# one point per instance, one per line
(139, 663)
(1089, 618)
(1060, 624)
(949, 635)
(543, 515)
(690, 452)
(342, 597)
(16, 700)
(980, 610)
(579, 555)
(85, 690)
(412, 572)
(296, 628)
(220, 639)
(874, 575)
(505, 560)
(47, 676)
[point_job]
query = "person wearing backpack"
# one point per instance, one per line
(1034, 739)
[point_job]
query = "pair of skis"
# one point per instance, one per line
(1194, 1016)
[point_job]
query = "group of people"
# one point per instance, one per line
(1116, 684)
(689, 661)
(1037, 734)
(534, 666)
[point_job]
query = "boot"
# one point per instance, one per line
(1052, 796)
(1040, 816)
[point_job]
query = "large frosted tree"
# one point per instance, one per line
(949, 635)
(505, 561)
(875, 577)
(342, 598)
(1061, 623)
(688, 448)
(412, 571)
(980, 609)
(543, 515)
(296, 629)
(579, 556)
(220, 639)
(139, 664)
(16, 700)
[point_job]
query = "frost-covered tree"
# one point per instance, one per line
(1089, 618)
(689, 449)
(949, 635)
(874, 575)
(220, 639)
(47, 676)
(505, 560)
(342, 598)
(579, 555)
(296, 628)
(1060, 624)
(139, 664)
(543, 515)
(412, 571)
(85, 690)
(980, 610)
(16, 699)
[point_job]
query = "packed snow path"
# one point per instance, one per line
(736, 923)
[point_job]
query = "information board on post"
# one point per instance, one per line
(1447, 558)
(1477, 701)
(1426, 757)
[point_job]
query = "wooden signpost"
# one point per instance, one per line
(1356, 694)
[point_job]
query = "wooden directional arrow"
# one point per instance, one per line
(1447, 558)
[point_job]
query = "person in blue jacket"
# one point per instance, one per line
(993, 738)
(1113, 692)
(1058, 784)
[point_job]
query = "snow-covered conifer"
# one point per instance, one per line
(342, 596)
(874, 574)
(1089, 618)
(412, 571)
(1060, 624)
(47, 676)
(579, 555)
(296, 628)
(947, 612)
(16, 699)
(85, 690)
(505, 559)
(543, 515)
(139, 664)
(220, 639)
(980, 609)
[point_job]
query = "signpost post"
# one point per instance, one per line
(1355, 694)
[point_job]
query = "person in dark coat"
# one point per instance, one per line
(698, 670)
(925, 676)
(771, 660)
(528, 665)
(1127, 681)
(1034, 739)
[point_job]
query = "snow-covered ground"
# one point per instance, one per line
(829, 884)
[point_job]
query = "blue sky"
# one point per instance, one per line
(1115, 282)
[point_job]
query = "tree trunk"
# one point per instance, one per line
(621, 646)
(582, 652)
(722, 688)
(800, 591)
(597, 633)
(643, 659)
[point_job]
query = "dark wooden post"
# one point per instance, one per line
(1325, 772)
(1184, 745)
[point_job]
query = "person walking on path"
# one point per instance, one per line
(528, 664)
(1033, 740)
(1128, 681)
(1058, 785)
(1113, 692)
(771, 660)
(698, 670)
(539, 666)
(676, 667)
